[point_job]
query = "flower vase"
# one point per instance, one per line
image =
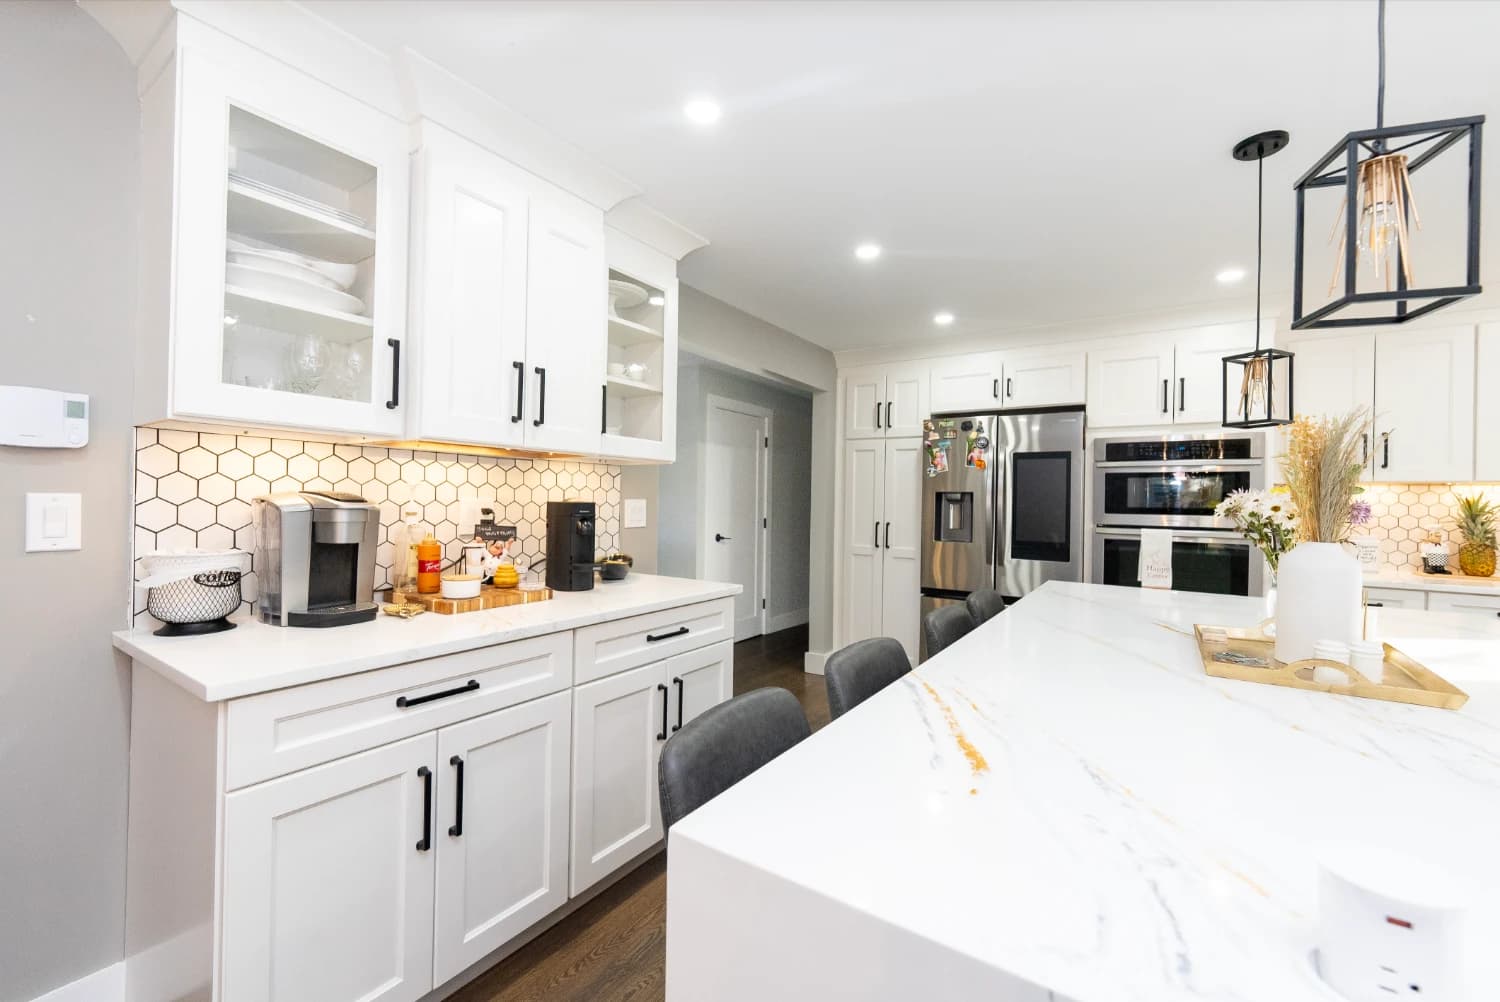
(1319, 588)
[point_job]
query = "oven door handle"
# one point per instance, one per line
(1206, 466)
(1225, 539)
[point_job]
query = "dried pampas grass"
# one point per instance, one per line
(1322, 466)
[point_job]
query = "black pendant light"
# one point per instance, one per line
(1375, 168)
(1258, 384)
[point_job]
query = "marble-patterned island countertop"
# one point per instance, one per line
(1064, 806)
(255, 657)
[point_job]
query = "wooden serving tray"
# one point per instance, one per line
(490, 597)
(1405, 680)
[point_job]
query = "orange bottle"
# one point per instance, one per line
(429, 566)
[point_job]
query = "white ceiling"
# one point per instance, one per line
(1022, 163)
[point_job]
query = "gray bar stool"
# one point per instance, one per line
(945, 625)
(862, 669)
(984, 605)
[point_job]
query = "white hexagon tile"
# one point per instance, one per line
(194, 489)
(1403, 515)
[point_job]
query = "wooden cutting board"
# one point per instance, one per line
(489, 597)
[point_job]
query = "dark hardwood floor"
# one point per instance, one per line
(613, 949)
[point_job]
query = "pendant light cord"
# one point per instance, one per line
(1260, 225)
(1380, 87)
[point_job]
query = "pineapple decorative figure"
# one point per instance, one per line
(1476, 523)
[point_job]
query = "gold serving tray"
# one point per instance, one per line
(489, 597)
(1405, 680)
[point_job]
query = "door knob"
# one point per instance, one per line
(721, 539)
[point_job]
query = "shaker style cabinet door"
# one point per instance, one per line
(328, 881)
(1424, 406)
(907, 401)
(864, 403)
(501, 825)
(700, 680)
(565, 325)
(1131, 384)
(1333, 376)
(1487, 407)
(966, 383)
(619, 724)
(1043, 379)
(1197, 391)
(468, 290)
(863, 526)
(901, 543)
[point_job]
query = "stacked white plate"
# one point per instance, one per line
(292, 278)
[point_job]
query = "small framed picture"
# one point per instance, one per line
(1367, 550)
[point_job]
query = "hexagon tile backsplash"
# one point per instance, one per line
(1404, 513)
(193, 489)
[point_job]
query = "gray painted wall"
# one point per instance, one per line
(67, 302)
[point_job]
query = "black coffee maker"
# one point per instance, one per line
(570, 545)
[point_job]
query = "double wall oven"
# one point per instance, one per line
(1176, 483)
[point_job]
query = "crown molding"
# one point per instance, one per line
(635, 218)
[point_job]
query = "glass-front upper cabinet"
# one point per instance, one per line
(640, 384)
(288, 250)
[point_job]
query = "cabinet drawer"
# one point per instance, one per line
(625, 643)
(1448, 601)
(279, 732)
(1396, 598)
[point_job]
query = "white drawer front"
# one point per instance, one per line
(1449, 601)
(1396, 598)
(625, 643)
(279, 732)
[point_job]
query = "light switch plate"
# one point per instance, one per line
(54, 522)
(635, 513)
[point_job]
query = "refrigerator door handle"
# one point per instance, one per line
(990, 557)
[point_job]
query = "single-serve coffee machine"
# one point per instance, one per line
(315, 558)
(570, 545)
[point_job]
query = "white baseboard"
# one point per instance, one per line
(812, 661)
(785, 620)
(105, 985)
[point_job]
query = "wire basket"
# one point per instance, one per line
(201, 603)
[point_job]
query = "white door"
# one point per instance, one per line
(1487, 406)
(619, 724)
(901, 543)
(906, 398)
(700, 680)
(567, 285)
(1333, 376)
(864, 403)
(1044, 379)
(1131, 384)
(502, 828)
(1198, 392)
(1424, 405)
(736, 474)
(863, 526)
(966, 383)
(468, 345)
(328, 883)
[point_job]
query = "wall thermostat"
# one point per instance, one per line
(43, 419)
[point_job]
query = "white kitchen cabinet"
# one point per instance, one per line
(882, 540)
(328, 881)
(1199, 369)
(1044, 379)
(701, 679)
(246, 155)
(886, 401)
(1478, 605)
(1487, 406)
(1131, 383)
(966, 383)
(501, 823)
(1395, 598)
(1333, 375)
(1424, 405)
(640, 413)
(619, 724)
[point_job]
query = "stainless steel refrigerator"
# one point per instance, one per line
(1002, 503)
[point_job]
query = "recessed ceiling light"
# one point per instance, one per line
(702, 111)
(657, 300)
(867, 252)
(942, 319)
(1230, 275)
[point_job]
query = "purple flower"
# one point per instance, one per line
(1359, 512)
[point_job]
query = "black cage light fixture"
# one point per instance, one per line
(1258, 383)
(1375, 169)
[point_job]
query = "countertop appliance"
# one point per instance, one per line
(570, 545)
(1002, 503)
(315, 558)
(1176, 482)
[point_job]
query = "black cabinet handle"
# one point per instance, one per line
(603, 408)
(888, 425)
(678, 726)
(541, 401)
(652, 638)
(457, 827)
(1182, 393)
(996, 391)
(395, 400)
(663, 735)
(1385, 450)
(520, 368)
(1375, 605)
(877, 535)
(1009, 392)
(426, 842)
(888, 535)
(1164, 396)
(1364, 449)
(402, 702)
(877, 413)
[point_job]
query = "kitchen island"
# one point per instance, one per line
(1064, 806)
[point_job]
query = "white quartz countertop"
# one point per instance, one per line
(1392, 577)
(1063, 805)
(255, 657)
